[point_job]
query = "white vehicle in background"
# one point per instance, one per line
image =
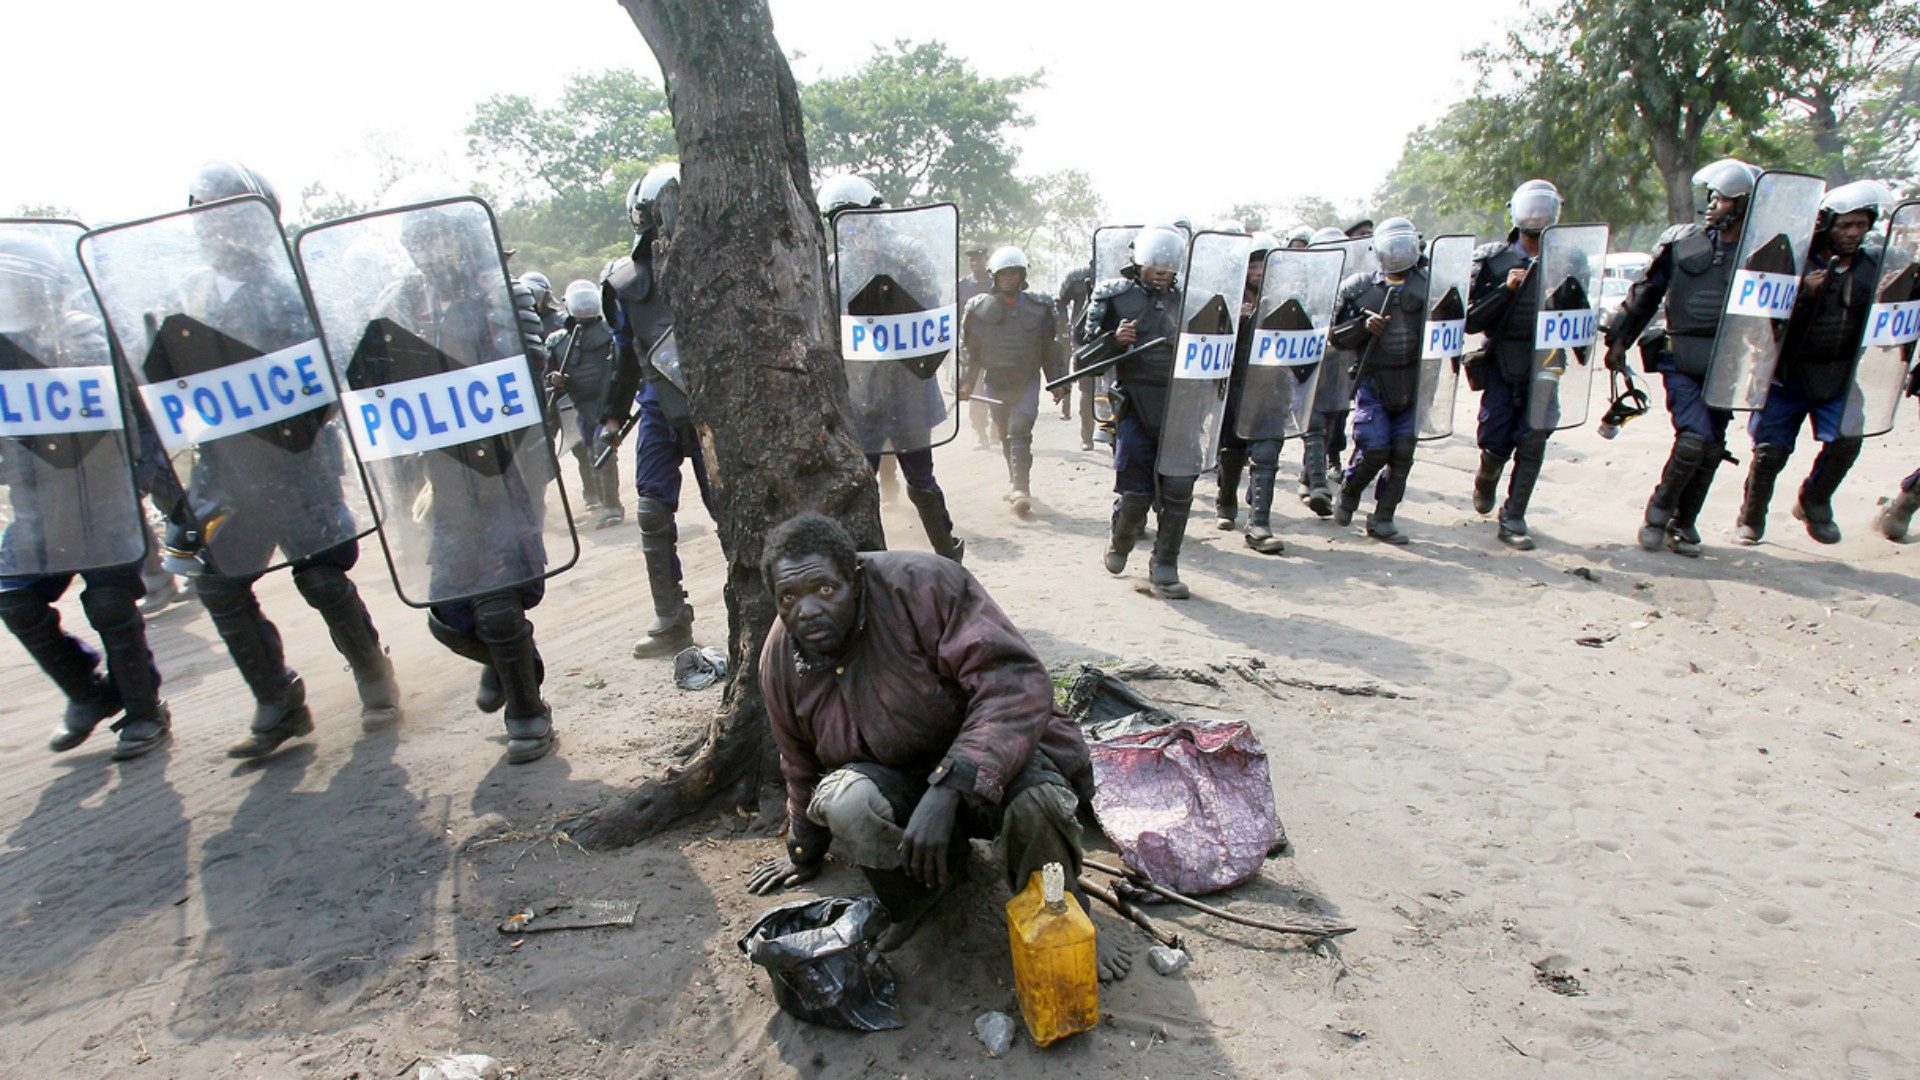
(1623, 269)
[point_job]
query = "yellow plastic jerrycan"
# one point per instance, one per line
(1055, 968)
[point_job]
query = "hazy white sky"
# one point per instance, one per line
(1184, 107)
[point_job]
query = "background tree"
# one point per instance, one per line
(768, 392)
(1620, 103)
(559, 173)
(1059, 236)
(921, 124)
(1851, 103)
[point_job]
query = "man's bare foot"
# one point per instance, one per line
(1115, 954)
(908, 922)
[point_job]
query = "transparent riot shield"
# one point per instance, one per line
(1210, 296)
(441, 400)
(217, 335)
(1289, 343)
(896, 280)
(65, 465)
(1572, 264)
(1774, 240)
(1444, 337)
(1110, 246)
(1333, 390)
(1893, 325)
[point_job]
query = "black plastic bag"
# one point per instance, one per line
(825, 966)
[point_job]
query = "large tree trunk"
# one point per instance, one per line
(1675, 163)
(746, 278)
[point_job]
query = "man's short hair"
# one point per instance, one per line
(809, 534)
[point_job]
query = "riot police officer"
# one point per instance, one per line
(1502, 304)
(1076, 289)
(1009, 341)
(254, 642)
(1236, 453)
(1326, 438)
(1381, 316)
(634, 295)
(51, 513)
(1691, 271)
(585, 345)
(540, 291)
(1137, 307)
(1816, 368)
(479, 531)
(920, 400)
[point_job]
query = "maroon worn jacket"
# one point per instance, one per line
(936, 681)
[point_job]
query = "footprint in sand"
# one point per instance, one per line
(1873, 1063)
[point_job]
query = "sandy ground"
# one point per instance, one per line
(1688, 851)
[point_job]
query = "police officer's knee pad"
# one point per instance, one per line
(1690, 447)
(500, 618)
(1532, 445)
(1377, 455)
(1400, 451)
(1265, 453)
(22, 608)
(1176, 491)
(322, 586)
(654, 517)
(110, 608)
(1845, 449)
(223, 595)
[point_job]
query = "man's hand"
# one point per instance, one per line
(775, 874)
(1246, 308)
(1515, 278)
(1616, 359)
(929, 835)
(1060, 393)
(609, 435)
(1127, 333)
(1376, 324)
(1814, 281)
(558, 382)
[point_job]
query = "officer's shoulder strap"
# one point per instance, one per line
(1039, 298)
(1355, 286)
(1112, 287)
(1490, 250)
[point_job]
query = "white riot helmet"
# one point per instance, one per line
(30, 283)
(1263, 242)
(1158, 247)
(1870, 195)
(653, 201)
(1006, 258)
(1730, 178)
(1535, 205)
(1300, 236)
(847, 191)
(1327, 235)
(1396, 244)
(1229, 225)
(583, 299)
(539, 284)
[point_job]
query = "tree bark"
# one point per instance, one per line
(746, 277)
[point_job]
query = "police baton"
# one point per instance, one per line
(551, 413)
(1101, 365)
(600, 456)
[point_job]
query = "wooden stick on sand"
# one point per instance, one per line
(1311, 926)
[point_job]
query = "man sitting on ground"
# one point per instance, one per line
(900, 693)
